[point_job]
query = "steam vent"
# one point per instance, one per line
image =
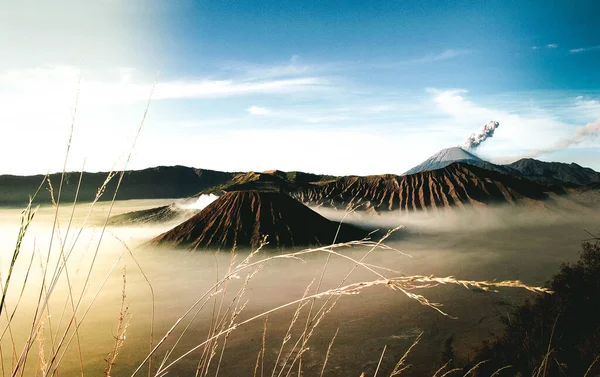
(240, 219)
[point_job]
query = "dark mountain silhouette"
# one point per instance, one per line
(456, 185)
(243, 218)
(153, 183)
(554, 172)
(271, 180)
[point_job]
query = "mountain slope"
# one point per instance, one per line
(554, 172)
(456, 185)
(165, 214)
(159, 182)
(272, 180)
(546, 172)
(243, 218)
(444, 158)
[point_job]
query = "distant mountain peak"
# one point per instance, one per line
(444, 158)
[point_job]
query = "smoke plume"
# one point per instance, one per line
(487, 130)
(580, 135)
(202, 202)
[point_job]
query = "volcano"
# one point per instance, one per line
(444, 158)
(243, 218)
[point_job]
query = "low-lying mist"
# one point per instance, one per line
(495, 243)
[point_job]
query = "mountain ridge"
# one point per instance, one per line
(546, 172)
(153, 183)
(453, 186)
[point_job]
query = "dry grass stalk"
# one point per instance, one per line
(400, 365)
(260, 358)
(379, 362)
(153, 315)
(122, 324)
(288, 336)
(66, 272)
(328, 351)
(549, 351)
(263, 347)
(41, 352)
(442, 368)
(451, 371)
(501, 369)
(257, 363)
(589, 369)
(475, 367)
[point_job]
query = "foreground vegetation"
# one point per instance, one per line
(557, 334)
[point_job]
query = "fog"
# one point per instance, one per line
(499, 243)
(202, 202)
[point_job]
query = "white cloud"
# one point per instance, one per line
(529, 129)
(49, 85)
(228, 88)
(548, 46)
(584, 49)
(256, 110)
(37, 106)
(587, 107)
(37, 103)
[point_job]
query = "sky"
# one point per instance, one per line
(332, 87)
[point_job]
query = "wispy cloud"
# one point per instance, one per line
(293, 67)
(584, 49)
(50, 85)
(548, 46)
(296, 66)
(587, 107)
(228, 88)
(444, 55)
(257, 110)
(40, 101)
(580, 135)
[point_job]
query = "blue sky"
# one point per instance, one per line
(333, 87)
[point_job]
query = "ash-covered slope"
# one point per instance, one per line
(243, 218)
(444, 158)
(456, 185)
(554, 172)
